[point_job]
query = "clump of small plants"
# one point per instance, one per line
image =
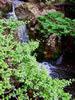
(46, 3)
(21, 76)
(55, 22)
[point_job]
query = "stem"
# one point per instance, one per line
(7, 92)
(16, 98)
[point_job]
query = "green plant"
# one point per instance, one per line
(70, 1)
(61, 0)
(55, 22)
(47, 2)
(42, 4)
(21, 76)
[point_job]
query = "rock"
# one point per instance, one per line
(52, 41)
(0, 14)
(50, 46)
(27, 11)
(32, 1)
(44, 12)
(5, 6)
(2, 3)
(53, 46)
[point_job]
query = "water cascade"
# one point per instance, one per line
(23, 34)
(22, 31)
(55, 71)
(61, 72)
(12, 13)
(59, 60)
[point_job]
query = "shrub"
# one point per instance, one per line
(21, 76)
(55, 22)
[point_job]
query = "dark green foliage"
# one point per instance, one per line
(70, 1)
(61, 0)
(21, 76)
(55, 22)
(70, 8)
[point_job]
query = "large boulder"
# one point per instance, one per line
(27, 11)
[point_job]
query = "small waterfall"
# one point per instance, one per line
(17, 2)
(23, 34)
(12, 13)
(13, 8)
(22, 30)
(14, 4)
(51, 70)
(58, 71)
(46, 67)
(59, 60)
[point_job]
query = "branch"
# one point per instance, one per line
(16, 98)
(8, 91)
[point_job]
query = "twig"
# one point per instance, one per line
(16, 98)
(8, 91)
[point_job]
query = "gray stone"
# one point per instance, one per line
(27, 11)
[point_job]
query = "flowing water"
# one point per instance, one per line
(17, 2)
(59, 60)
(12, 13)
(22, 31)
(23, 34)
(59, 71)
(14, 4)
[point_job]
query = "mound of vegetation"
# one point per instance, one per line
(21, 76)
(55, 22)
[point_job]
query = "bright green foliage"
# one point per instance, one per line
(20, 73)
(11, 24)
(55, 22)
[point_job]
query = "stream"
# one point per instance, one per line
(55, 69)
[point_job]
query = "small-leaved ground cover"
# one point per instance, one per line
(21, 76)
